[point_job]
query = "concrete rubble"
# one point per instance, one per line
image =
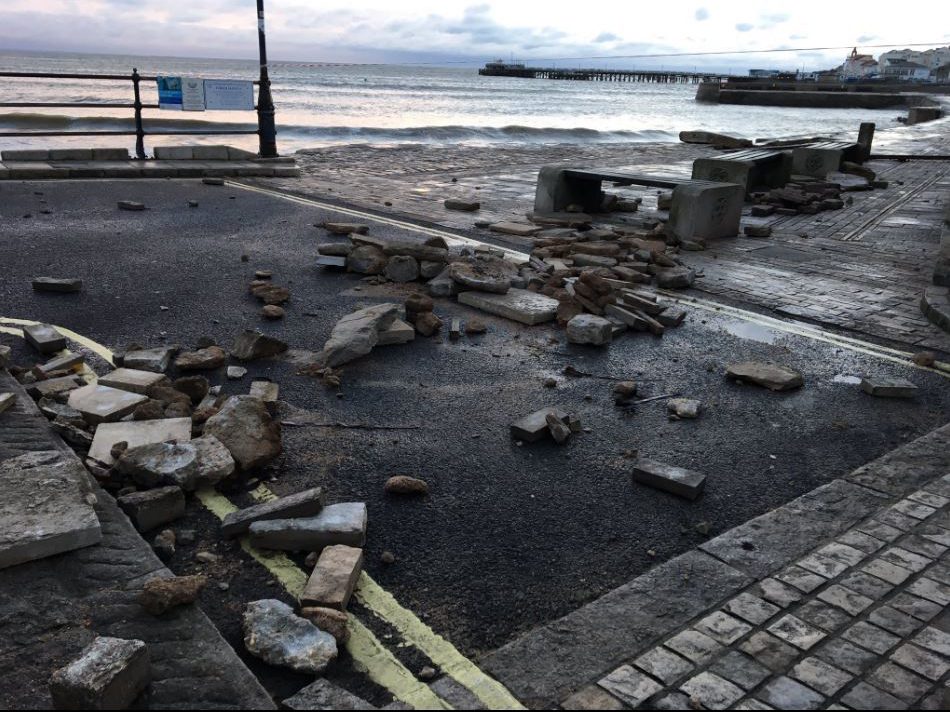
(769, 375)
(302, 504)
(275, 634)
(110, 674)
(889, 387)
(160, 595)
(333, 578)
(336, 524)
(324, 695)
(675, 480)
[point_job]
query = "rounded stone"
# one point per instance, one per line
(402, 268)
(272, 311)
(403, 484)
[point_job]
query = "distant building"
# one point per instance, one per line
(905, 70)
(859, 66)
(764, 73)
(941, 74)
(931, 58)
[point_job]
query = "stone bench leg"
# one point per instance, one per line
(706, 210)
(556, 191)
(750, 175)
(816, 162)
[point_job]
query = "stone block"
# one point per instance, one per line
(29, 154)
(302, 504)
(156, 360)
(174, 153)
(331, 260)
(534, 427)
(324, 695)
(131, 380)
(46, 508)
(101, 404)
(44, 338)
(210, 153)
(61, 363)
(70, 154)
(706, 210)
(110, 154)
(467, 206)
(267, 391)
(888, 387)
(816, 162)
(334, 577)
(52, 386)
(6, 401)
(153, 508)
(337, 524)
(52, 284)
(589, 329)
(671, 316)
(516, 229)
(518, 305)
(675, 480)
(398, 333)
(141, 432)
(109, 675)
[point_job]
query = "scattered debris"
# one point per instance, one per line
(334, 577)
(337, 524)
(130, 205)
(101, 404)
(589, 329)
(302, 504)
(466, 206)
(236, 373)
(152, 508)
(403, 484)
(54, 285)
(675, 480)
(132, 380)
(888, 387)
(356, 334)
(685, 408)
(160, 595)
(277, 636)
(247, 430)
(768, 375)
(109, 674)
(324, 695)
(44, 338)
(206, 359)
(252, 345)
(534, 427)
(518, 305)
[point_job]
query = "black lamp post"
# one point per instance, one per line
(266, 127)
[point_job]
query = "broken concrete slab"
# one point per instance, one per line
(334, 577)
(131, 379)
(152, 508)
(324, 695)
(53, 386)
(888, 387)
(277, 636)
(140, 432)
(206, 359)
(101, 404)
(46, 508)
(331, 260)
(62, 363)
(589, 329)
(44, 338)
(534, 427)
(155, 360)
(518, 305)
(267, 391)
(56, 286)
(356, 334)
(109, 675)
(675, 480)
(399, 332)
(252, 345)
(302, 504)
(769, 375)
(247, 430)
(202, 462)
(337, 524)
(517, 229)
(671, 316)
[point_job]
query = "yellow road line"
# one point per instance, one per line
(368, 653)
(93, 346)
(449, 237)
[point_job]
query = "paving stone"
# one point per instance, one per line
(712, 691)
(897, 519)
(820, 676)
(518, 305)
(887, 571)
(131, 379)
(921, 661)
(795, 631)
(775, 654)
(54, 386)
(824, 565)
(154, 507)
(109, 674)
(44, 338)
(863, 542)
(671, 701)
(722, 627)
(845, 599)
(899, 682)
(101, 404)
(937, 700)
(301, 504)
(889, 387)
(867, 697)
(870, 637)
(751, 608)
(740, 669)
(156, 360)
(826, 617)
(931, 500)
(847, 656)
(777, 592)
(324, 695)
(534, 426)
(592, 697)
(675, 480)
(894, 621)
(751, 704)
(694, 645)
(333, 578)
(804, 581)
(935, 534)
(879, 530)
(141, 432)
(867, 585)
(69, 362)
(934, 640)
(337, 524)
(663, 665)
(786, 694)
(46, 508)
(924, 547)
(931, 590)
(919, 608)
(905, 559)
(630, 686)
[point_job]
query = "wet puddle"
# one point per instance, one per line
(753, 332)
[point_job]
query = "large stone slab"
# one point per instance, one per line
(889, 387)
(518, 305)
(141, 432)
(52, 386)
(337, 524)
(768, 375)
(101, 404)
(109, 675)
(131, 380)
(356, 334)
(44, 338)
(675, 480)
(156, 360)
(908, 468)
(706, 210)
(302, 504)
(333, 578)
(46, 507)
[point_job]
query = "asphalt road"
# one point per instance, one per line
(510, 537)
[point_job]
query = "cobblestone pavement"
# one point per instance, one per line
(861, 269)
(857, 621)
(52, 608)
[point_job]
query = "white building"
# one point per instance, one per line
(906, 70)
(859, 66)
(931, 58)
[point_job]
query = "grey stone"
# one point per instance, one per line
(630, 686)
(820, 676)
(934, 640)
(442, 285)
(922, 661)
(769, 651)
(402, 268)
(695, 646)
(534, 427)
(331, 260)
(796, 632)
(593, 697)
(467, 206)
(867, 697)
(333, 578)
(302, 504)
(324, 695)
(267, 391)
(5, 352)
(712, 691)
(278, 637)
(870, 637)
(518, 305)
(54, 386)
(483, 275)
(235, 373)
(399, 332)
(740, 669)
(589, 329)
(751, 608)
(6, 401)
(685, 408)
(771, 376)
(52, 284)
(337, 524)
(335, 249)
(428, 269)
(675, 278)
(663, 665)
(786, 694)
(367, 259)
(189, 465)
(671, 316)
(356, 334)
(108, 675)
(247, 430)
(132, 380)
(847, 656)
(675, 480)
(46, 508)
(130, 205)
(101, 404)
(155, 360)
(153, 508)
(137, 433)
(44, 338)
(722, 627)
(804, 581)
(252, 345)
(340, 228)
(206, 359)
(888, 387)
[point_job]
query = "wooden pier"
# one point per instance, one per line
(651, 76)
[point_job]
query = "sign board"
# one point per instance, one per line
(192, 94)
(228, 95)
(169, 93)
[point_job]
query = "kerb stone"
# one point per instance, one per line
(109, 675)
(518, 305)
(675, 480)
(334, 577)
(337, 524)
(302, 504)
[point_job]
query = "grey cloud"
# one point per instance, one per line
(744, 26)
(866, 38)
(606, 37)
(702, 14)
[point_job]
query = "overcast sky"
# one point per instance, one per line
(446, 30)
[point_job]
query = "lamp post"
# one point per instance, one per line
(266, 127)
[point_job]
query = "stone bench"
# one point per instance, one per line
(752, 168)
(820, 159)
(700, 209)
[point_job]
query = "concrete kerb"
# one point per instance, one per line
(545, 666)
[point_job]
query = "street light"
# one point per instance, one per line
(266, 127)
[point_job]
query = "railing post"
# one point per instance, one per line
(266, 126)
(139, 130)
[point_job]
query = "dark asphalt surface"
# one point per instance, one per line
(510, 537)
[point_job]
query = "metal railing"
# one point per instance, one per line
(265, 118)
